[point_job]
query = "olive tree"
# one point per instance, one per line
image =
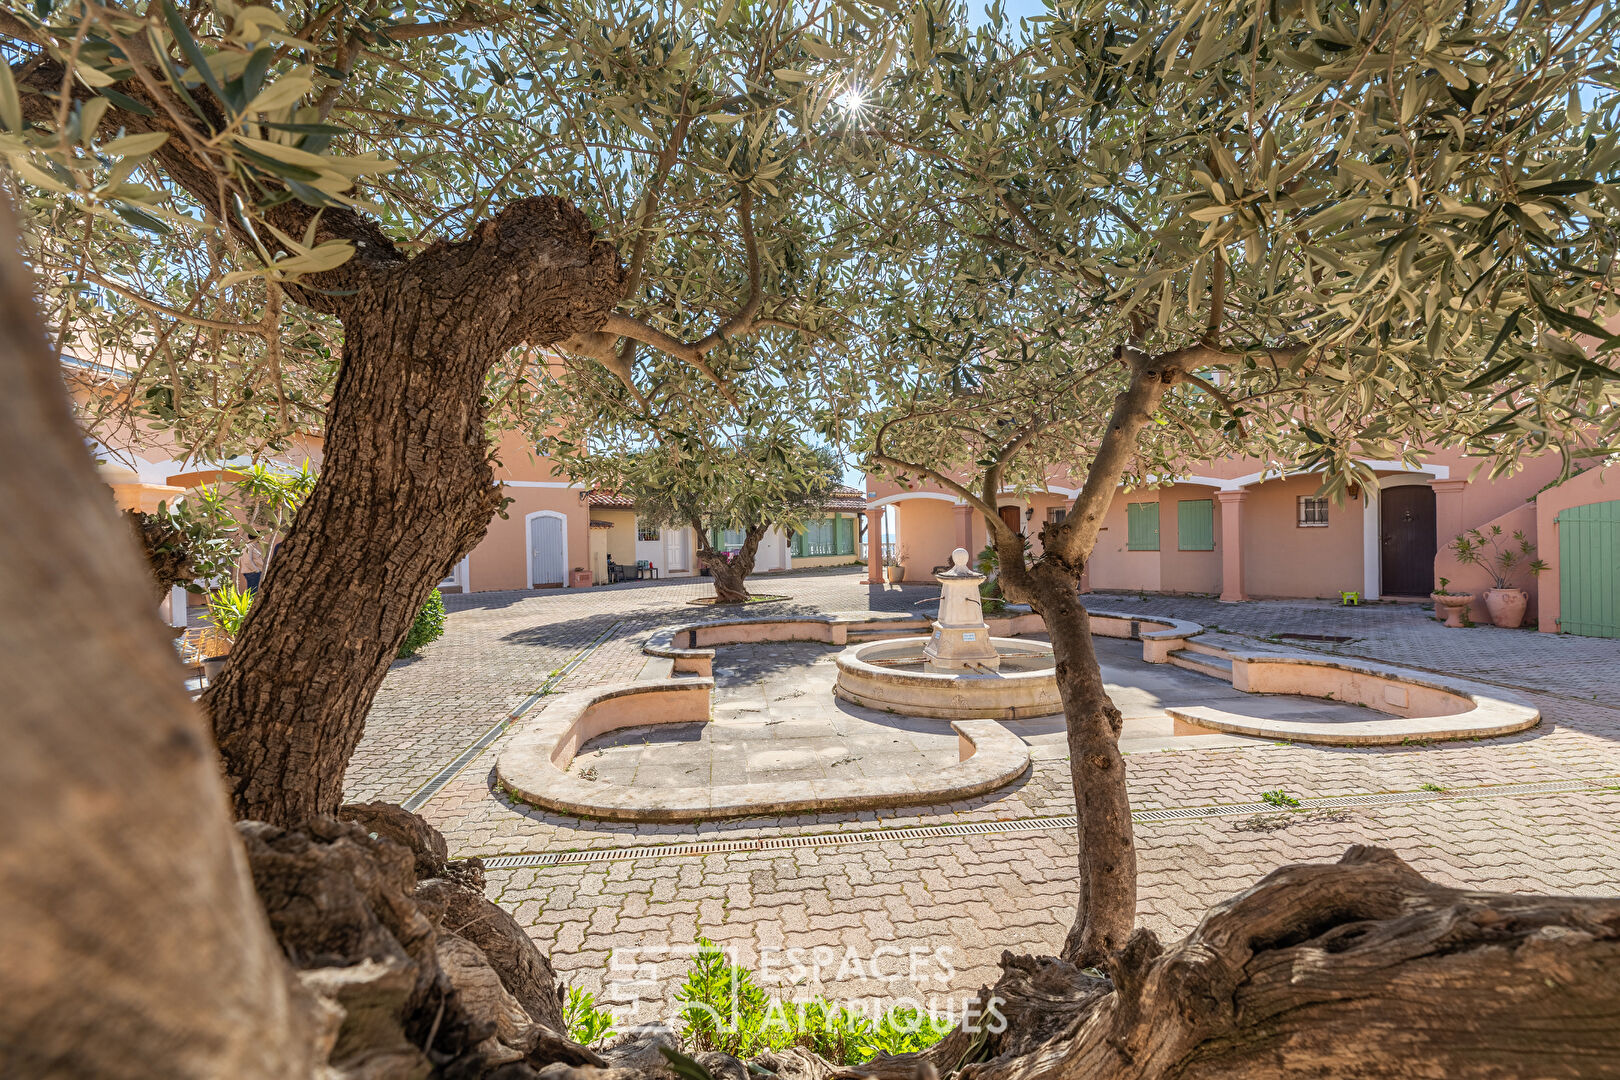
(366, 222)
(751, 484)
(1307, 231)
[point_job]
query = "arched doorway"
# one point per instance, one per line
(1407, 542)
(548, 549)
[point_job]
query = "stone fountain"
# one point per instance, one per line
(960, 672)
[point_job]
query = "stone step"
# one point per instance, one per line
(1219, 667)
(1196, 646)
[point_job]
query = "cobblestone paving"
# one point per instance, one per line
(976, 895)
(1406, 634)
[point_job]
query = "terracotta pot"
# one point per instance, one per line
(1451, 607)
(1506, 606)
(896, 573)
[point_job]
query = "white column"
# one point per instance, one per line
(1372, 546)
(176, 613)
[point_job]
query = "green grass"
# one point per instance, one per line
(1280, 798)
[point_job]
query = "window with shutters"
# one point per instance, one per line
(825, 536)
(1313, 511)
(1195, 525)
(1142, 521)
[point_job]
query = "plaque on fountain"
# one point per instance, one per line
(961, 640)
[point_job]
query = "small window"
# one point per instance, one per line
(1056, 514)
(1313, 511)
(644, 532)
(1142, 521)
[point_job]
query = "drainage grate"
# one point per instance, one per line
(448, 773)
(422, 794)
(1019, 825)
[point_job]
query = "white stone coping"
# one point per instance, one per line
(950, 695)
(831, 629)
(533, 767)
(1443, 708)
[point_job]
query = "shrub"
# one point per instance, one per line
(429, 625)
(724, 1009)
(586, 1023)
(228, 609)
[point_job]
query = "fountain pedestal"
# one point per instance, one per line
(961, 640)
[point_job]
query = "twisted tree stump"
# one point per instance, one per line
(1361, 968)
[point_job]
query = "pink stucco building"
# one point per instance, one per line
(1229, 527)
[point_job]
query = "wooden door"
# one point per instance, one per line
(1013, 519)
(548, 561)
(1589, 570)
(1409, 543)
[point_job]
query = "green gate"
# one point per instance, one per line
(1589, 570)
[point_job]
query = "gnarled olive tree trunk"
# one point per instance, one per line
(133, 943)
(1361, 968)
(730, 574)
(406, 490)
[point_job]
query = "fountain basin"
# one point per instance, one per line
(892, 676)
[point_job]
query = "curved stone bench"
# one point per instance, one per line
(691, 647)
(534, 765)
(1423, 707)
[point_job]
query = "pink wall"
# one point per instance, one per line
(1282, 559)
(1279, 557)
(501, 559)
(1112, 565)
(927, 533)
(1476, 579)
(1187, 571)
(1593, 486)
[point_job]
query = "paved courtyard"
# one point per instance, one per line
(938, 903)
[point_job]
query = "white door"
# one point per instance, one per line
(675, 542)
(547, 558)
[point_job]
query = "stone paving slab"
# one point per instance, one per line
(975, 896)
(978, 895)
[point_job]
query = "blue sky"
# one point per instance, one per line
(1016, 9)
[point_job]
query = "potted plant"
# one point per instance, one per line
(1501, 559)
(1449, 607)
(227, 609)
(894, 566)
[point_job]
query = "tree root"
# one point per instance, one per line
(1361, 968)
(427, 975)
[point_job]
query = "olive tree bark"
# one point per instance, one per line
(134, 944)
(1051, 586)
(1361, 968)
(406, 490)
(730, 574)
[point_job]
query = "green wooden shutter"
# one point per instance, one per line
(1143, 521)
(846, 535)
(798, 543)
(1195, 525)
(1589, 570)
